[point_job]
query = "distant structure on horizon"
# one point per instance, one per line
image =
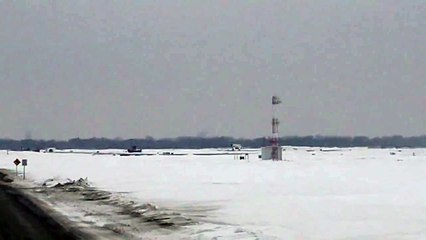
(273, 152)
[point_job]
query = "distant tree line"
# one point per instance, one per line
(214, 142)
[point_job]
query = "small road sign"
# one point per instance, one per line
(24, 163)
(17, 162)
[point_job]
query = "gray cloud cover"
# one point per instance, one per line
(170, 68)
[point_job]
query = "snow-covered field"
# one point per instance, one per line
(317, 193)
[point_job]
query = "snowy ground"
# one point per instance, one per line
(317, 194)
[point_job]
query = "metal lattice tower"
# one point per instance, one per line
(275, 133)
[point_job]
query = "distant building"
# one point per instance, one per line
(134, 149)
(50, 150)
(236, 147)
(268, 152)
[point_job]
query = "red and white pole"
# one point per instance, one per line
(275, 133)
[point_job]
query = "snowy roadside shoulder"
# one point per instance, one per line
(110, 215)
(91, 208)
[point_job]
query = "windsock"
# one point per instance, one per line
(276, 100)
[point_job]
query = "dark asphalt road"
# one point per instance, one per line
(21, 218)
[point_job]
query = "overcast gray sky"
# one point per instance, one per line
(180, 68)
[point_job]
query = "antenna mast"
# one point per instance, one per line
(275, 133)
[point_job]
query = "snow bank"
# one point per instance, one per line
(316, 194)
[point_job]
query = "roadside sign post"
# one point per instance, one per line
(16, 162)
(24, 164)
